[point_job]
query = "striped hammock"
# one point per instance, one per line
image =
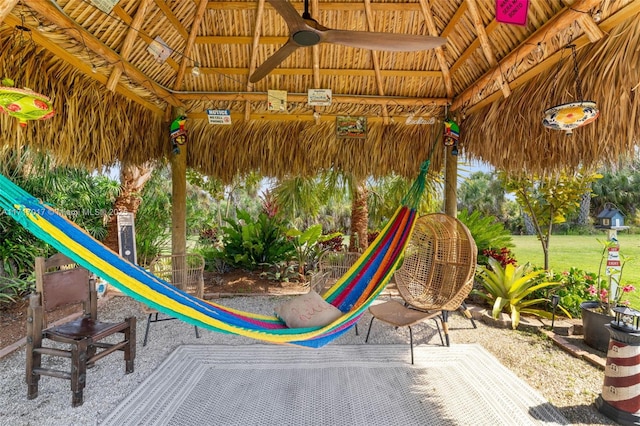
(352, 293)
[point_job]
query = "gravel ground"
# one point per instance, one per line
(568, 383)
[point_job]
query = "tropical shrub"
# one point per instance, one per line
(13, 288)
(574, 288)
(152, 219)
(333, 244)
(510, 288)
(487, 232)
(307, 247)
(249, 244)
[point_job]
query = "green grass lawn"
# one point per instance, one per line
(583, 252)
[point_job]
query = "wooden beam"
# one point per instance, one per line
(120, 13)
(374, 59)
(475, 44)
(328, 72)
(554, 26)
(341, 6)
(6, 6)
(590, 28)
(431, 26)
(172, 18)
(83, 67)
(254, 54)
(300, 97)
(127, 44)
(241, 39)
(315, 61)
(454, 20)
(627, 12)
(186, 55)
(310, 117)
(486, 46)
(75, 31)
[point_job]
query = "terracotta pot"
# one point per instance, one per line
(596, 334)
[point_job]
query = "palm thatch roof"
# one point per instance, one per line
(114, 100)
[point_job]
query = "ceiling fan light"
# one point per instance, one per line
(195, 71)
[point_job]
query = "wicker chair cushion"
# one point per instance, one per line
(307, 310)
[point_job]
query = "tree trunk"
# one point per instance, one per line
(585, 207)
(359, 219)
(132, 181)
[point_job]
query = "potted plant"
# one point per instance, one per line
(605, 294)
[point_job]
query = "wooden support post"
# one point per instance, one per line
(179, 199)
(450, 182)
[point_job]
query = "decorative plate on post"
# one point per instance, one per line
(25, 104)
(570, 116)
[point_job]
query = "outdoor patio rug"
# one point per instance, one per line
(336, 385)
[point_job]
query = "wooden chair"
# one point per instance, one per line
(183, 271)
(435, 277)
(60, 283)
(331, 266)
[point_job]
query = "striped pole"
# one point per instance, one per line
(620, 397)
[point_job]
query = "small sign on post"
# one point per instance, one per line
(219, 116)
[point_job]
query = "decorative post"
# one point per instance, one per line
(620, 398)
(450, 141)
(179, 186)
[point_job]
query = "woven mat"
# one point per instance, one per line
(336, 385)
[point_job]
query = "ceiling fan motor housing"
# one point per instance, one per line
(306, 38)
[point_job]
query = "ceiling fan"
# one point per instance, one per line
(306, 31)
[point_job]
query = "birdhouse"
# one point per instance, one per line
(610, 218)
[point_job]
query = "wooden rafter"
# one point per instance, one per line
(590, 28)
(83, 67)
(454, 20)
(315, 58)
(486, 45)
(172, 18)
(122, 15)
(299, 97)
(374, 59)
(630, 11)
(254, 54)
(554, 26)
(333, 6)
(327, 72)
(127, 44)
(186, 55)
(75, 31)
(433, 31)
(6, 7)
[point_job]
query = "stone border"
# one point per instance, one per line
(537, 325)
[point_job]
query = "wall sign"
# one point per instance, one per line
(277, 100)
(319, 97)
(219, 116)
(351, 127)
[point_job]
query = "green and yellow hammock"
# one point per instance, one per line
(352, 293)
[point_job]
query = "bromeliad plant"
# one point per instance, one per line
(508, 287)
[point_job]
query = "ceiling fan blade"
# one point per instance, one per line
(289, 14)
(382, 41)
(273, 61)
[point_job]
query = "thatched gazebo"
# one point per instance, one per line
(118, 75)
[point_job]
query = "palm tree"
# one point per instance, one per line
(132, 181)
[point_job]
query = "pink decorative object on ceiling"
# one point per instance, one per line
(512, 11)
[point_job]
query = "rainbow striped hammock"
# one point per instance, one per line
(352, 293)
